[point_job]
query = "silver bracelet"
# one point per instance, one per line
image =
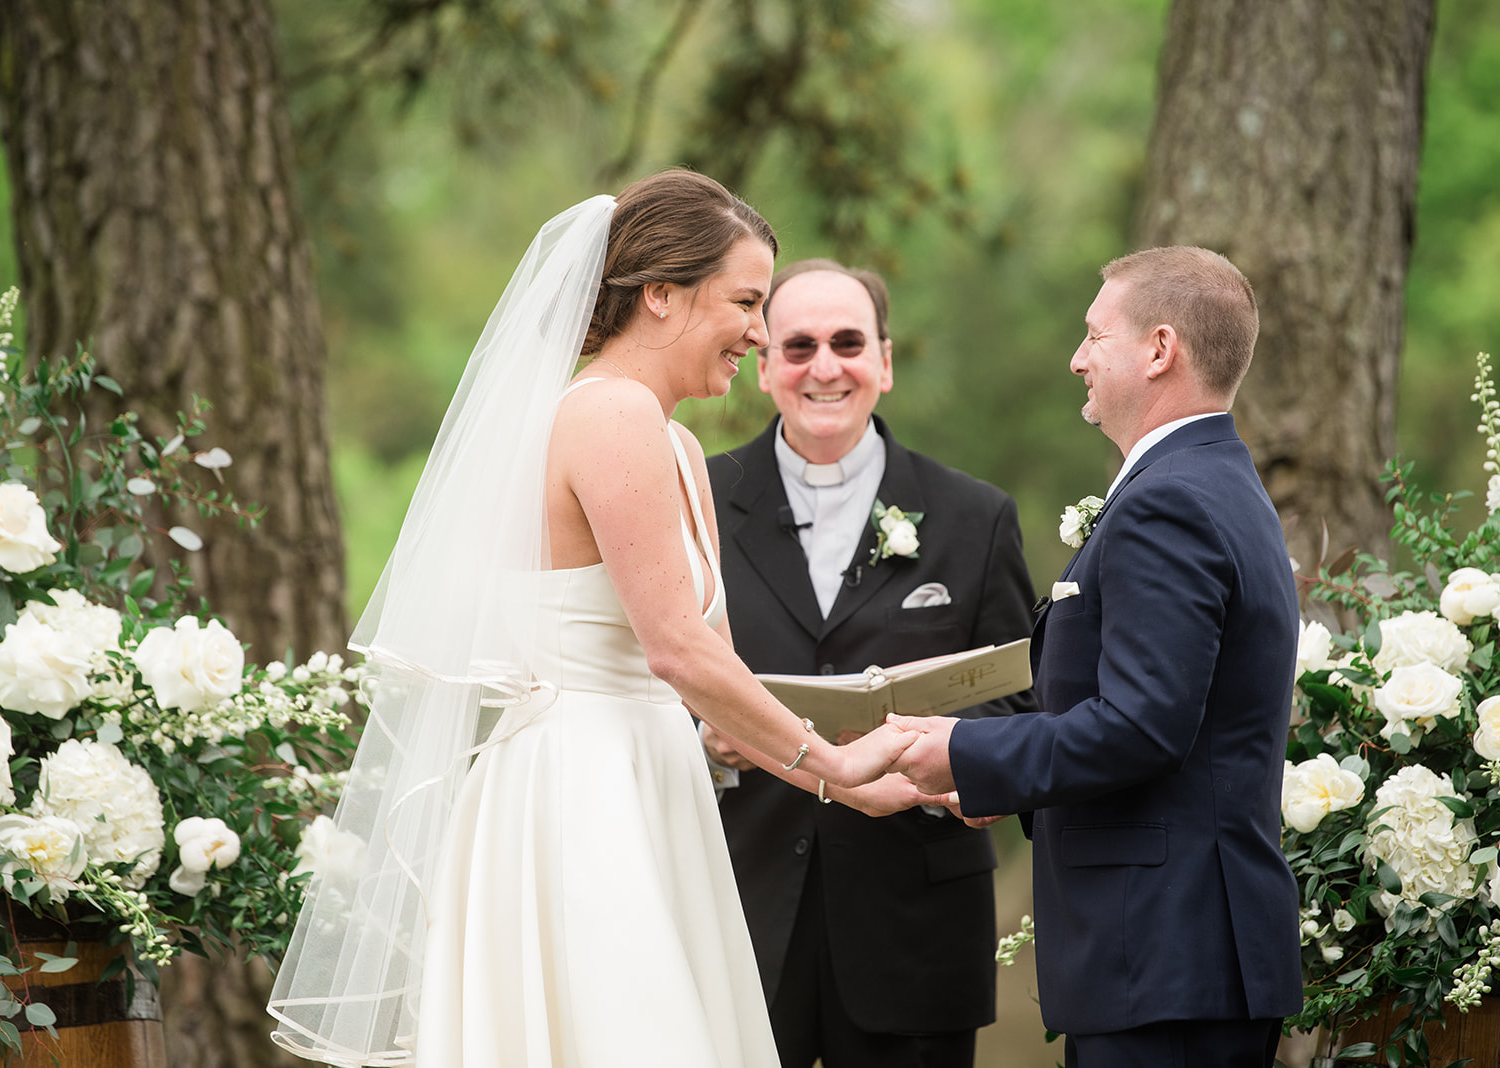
(825, 800)
(807, 725)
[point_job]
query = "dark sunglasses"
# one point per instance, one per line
(845, 344)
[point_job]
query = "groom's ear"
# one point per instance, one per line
(1166, 350)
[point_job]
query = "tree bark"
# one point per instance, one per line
(156, 218)
(1287, 137)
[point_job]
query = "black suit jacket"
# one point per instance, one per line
(910, 920)
(1154, 769)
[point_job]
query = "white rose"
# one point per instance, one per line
(1070, 530)
(42, 669)
(901, 539)
(50, 848)
(202, 844)
(1314, 645)
(1415, 696)
(113, 802)
(327, 851)
(25, 544)
(1470, 592)
(7, 792)
(191, 668)
(1487, 734)
(97, 625)
(1421, 638)
(1312, 789)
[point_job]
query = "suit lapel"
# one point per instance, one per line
(774, 552)
(899, 486)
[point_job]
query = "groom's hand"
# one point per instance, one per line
(925, 761)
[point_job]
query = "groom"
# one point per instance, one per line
(875, 937)
(1166, 915)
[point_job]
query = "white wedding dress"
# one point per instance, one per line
(586, 914)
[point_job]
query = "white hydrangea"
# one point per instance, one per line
(97, 625)
(42, 669)
(1314, 647)
(112, 801)
(1314, 788)
(51, 848)
(25, 544)
(1421, 638)
(1470, 593)
(1420, 838)
(1415, 696)
(191, 667)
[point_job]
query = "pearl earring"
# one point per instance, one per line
(662, 314)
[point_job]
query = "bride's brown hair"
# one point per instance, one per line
(676, 226)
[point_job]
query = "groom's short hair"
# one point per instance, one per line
(1202, 296)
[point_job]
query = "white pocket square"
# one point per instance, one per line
(1063, 590)
(927, 595)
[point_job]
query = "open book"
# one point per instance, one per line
(932, 687)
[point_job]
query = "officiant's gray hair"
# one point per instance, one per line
(1202, 296)
(677, 226)
(873, 283)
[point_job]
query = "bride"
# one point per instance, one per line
(537, 874)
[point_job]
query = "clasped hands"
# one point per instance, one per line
(919, 774)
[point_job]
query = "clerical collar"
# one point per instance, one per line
(820, 475)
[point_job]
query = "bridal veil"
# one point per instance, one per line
(450, 634)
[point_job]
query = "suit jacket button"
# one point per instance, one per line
(826, 669)
(802, 846)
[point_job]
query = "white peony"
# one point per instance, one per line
(7, 791)
(1415, 696)
(1419, 837)
(327, 851)
(191, 668)
(1421, 638)
(42, 669)
(113, 802)
(97, 625)
(1487, 734)
(202, 844)
(1314, 788)
(50, 848)
(901, 539)
(1314, 647)
(25, 544)
(1470, 593)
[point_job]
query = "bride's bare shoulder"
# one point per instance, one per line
(608, 413)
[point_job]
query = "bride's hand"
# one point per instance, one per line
(868, 757)
(886, 795)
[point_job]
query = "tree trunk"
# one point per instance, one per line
(156, 219)
(1287, 137)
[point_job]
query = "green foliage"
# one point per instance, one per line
(1402, 712)
(124, 715)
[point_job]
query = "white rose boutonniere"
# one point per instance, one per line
(1078, 521)
(896, 532)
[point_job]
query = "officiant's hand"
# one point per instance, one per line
(926, 761)
(721, 749)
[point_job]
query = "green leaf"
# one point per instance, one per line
(1457, 805)
(56, 964)
(1401, 743)
(1386, 875)
(1372, 639)
(9, 1036)
(39, 1015)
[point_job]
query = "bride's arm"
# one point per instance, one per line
(610, 451)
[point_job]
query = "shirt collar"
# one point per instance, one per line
(1145, 444)
(841, 470)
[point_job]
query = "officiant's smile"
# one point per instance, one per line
(827, 364)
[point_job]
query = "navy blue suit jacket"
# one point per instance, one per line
(1153, 770)
(911, 922)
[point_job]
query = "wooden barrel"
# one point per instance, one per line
(98, 1026)
(1474, 1034)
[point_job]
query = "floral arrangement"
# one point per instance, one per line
(895, 532)
(152, 784)
(1391, 793)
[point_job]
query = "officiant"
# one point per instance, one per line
(841, 548)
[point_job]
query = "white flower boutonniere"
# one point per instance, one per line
(1078, 521)
(896, 530)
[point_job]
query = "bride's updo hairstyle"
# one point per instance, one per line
(677, 227)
